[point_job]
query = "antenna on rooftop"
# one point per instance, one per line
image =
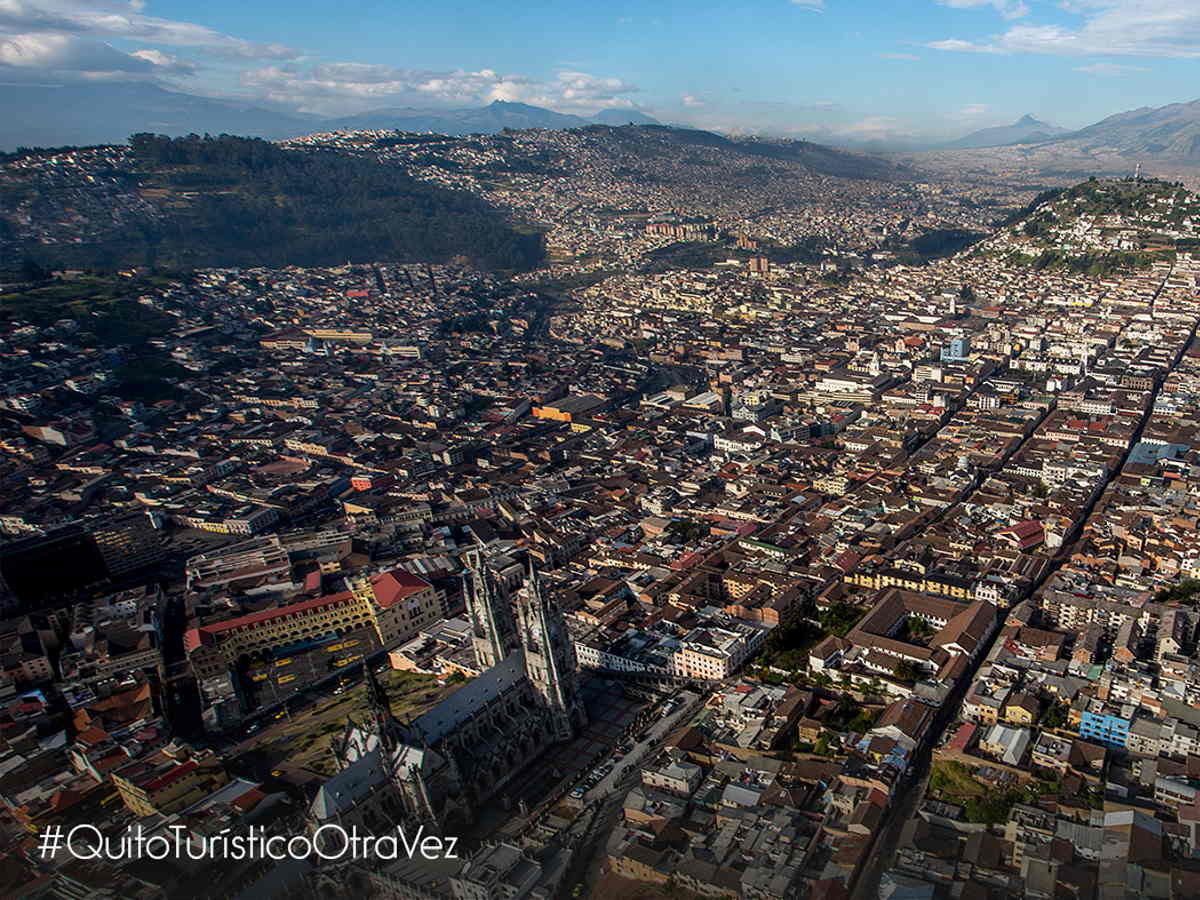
(1137, 174)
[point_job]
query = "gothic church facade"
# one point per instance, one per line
(460, 754)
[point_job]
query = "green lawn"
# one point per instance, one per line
(304, 741)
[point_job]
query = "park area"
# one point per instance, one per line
(955, 782)
(302, 741)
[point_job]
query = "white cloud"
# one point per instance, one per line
(1109, 70)
(55, 41)
(1145, 28)
(1010, 9)
(955, 45)
(972, 110)
(67, 53)
(125, 20)
(814, 5)
(164, 62)
(587, 90)
(691, 100)
(340, 87)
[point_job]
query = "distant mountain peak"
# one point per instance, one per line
(1026, 129)
(496, 116)
(512, 104)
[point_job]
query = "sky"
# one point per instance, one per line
(855, 70)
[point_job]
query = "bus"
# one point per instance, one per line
(301, 646)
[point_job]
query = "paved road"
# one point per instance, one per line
(643, 749)
(608, 797)
(888, 840)
(590, 854)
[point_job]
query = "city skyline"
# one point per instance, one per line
(827, 69)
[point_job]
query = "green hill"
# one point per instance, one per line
(231, 201)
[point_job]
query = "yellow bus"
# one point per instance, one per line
(283, 662)
(286, 678)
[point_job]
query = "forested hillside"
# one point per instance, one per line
(230, 201)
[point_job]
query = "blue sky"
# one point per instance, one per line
(855, 69)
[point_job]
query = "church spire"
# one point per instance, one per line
(379, 708)
(550, 658)
(491, 615)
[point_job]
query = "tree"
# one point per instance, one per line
(1186, 590)
(991, 808)
(906, 670)
(840, 618)
(1055, 716)
(919, 628)
(32, 271)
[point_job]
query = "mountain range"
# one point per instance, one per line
(1169, 131)
(85, 114)
(102, 113)
(1026, 130)
(486, 120)
(1165, 133)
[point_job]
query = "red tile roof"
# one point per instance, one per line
(394, 586)
(92, 735)
(171, 775)
(390, 588)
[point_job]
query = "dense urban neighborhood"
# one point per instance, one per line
(801, 525)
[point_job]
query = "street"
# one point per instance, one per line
(642, 749)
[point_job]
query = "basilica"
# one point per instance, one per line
(443, 765)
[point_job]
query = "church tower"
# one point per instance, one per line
(550, 659)
(492, 624)
(381, 722)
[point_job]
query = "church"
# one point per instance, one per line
(449, 761)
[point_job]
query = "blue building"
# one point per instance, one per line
(956, 350)
(1105, 728)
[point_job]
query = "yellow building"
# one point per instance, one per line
(168, 782)
(396, 604)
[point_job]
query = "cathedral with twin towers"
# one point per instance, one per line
(446, 763)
